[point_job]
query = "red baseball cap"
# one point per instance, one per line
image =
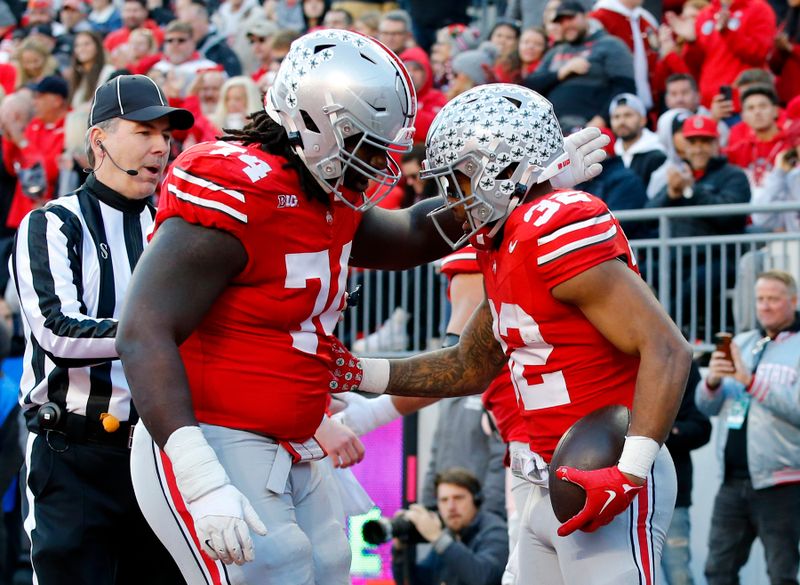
(34, 4)
(701, 126)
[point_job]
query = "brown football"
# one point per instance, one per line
(593, 442)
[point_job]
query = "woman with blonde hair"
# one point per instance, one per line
(238, 97)
(88, 69)
(33, 62)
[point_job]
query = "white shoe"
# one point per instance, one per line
(391, 336)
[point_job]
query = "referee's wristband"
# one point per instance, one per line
(638, 456)
(375, 372)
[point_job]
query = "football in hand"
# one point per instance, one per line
(593, 442)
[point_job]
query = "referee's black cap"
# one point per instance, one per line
(137, 98)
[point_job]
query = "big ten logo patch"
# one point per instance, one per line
(287, 201)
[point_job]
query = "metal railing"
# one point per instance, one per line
(406, 312)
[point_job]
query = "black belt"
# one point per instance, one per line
(75, 428)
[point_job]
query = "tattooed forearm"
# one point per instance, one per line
(465, 368)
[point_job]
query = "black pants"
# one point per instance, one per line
(740, 515)
(88, 529)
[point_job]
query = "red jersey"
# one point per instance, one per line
(45, 144)
(745, 43)
(260, 359)
(562, 367)
(499, 398)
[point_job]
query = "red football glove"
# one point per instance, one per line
(608, 492)
(345, 369)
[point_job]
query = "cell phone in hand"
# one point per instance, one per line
(726, 91)
(723, 340)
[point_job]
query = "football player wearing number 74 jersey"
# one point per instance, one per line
(569, 313)
(226, 332)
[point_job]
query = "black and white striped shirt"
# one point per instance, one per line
(71, 263)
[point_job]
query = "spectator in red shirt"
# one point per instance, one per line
(505, 36)
(785, 62)
(532, 47)
(144, 51)
(134, 15)
(429, 100)
(757, 139)
(38, 148)
(672, 37)
(729, 37)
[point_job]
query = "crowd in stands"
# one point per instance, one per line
(612, 64)
(700, 97)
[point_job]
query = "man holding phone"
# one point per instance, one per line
(754, 149)
(756, 394)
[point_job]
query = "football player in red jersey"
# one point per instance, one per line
(528, 470)
(226, 333)
(578, 327)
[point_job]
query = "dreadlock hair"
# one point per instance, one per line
(272, 138)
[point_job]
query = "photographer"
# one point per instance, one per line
(782, 184)
(32, 154)
(470, 547)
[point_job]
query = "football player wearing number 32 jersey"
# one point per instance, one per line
(226, 332)
(579, 329)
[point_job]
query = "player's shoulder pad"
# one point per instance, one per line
(463, 261)
(220, 176)
(233, 163)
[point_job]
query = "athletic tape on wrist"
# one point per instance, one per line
(376, 375)
(638, 456)
(195, 464)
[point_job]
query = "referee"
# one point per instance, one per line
(71, 264)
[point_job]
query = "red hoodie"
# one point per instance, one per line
(117, 37)
(744, 44)
(429, 100)
(786, 66)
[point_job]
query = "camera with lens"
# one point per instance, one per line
(33, 181)
(382, 530)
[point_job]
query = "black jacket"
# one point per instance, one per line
(578, 98)
(215, 48)
(477, 556)
(690, 431)
(722, 183)
(645, 163)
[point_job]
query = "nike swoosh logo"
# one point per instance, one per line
(628, 488)
(512, 245)
(611, 495)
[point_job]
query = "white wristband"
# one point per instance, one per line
(375, 375)
(195, 464)
(638, 456)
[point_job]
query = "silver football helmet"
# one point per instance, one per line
(334, 84)
(505, 138)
